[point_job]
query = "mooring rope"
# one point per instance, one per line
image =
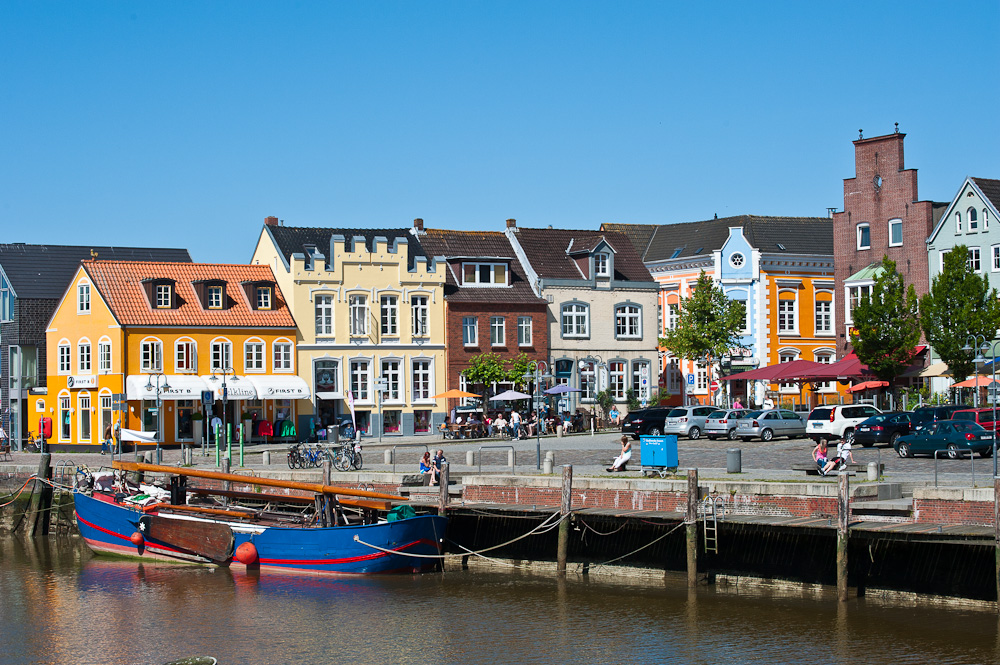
(17, 493)
(544, 527)
(609, 533)
(653, 542)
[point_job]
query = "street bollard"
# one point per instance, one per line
(510, 458)
(550, 455)
(547, 466)
(470, 458)
(734, 460)
(872, 471)
(265, 459)
(387, 457)
(559, 431)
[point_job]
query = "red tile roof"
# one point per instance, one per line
(120, 284)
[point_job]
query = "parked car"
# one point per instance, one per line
(722, 423)
(838, 420)
(954, 436)
(769, 424)
(924, 415)
(687, 420)
(883, 428)
(983, 417)
(645, 421)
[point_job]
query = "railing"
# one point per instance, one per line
(957, 452)
(512, 456)
(405, 445)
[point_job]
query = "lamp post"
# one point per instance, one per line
(225, 371)
(980, 357)
(539, 369)
(159, 406)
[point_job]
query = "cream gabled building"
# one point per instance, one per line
(369, 307)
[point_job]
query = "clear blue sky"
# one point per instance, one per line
(184, 124)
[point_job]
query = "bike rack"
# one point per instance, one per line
(405, 445)
(961, 453)
(513, 457)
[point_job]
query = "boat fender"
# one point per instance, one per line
(246, 554)
(137, 539)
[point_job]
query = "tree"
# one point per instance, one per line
(887, 324)
(485, 369)
(960, 304)
(707, 323)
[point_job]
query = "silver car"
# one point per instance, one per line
(722, 423)
(769, 424)
(687, 420)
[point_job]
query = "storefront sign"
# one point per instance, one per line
(81, 381)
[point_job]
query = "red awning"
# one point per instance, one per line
(867, 385)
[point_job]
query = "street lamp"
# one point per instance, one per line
(159, 406)
(538, 369)
(980, 357)
(225, 400)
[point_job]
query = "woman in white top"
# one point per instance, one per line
(622, 460)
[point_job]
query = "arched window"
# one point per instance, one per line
(958, 222)
(973, 219)
(253, 355)
(185, 355)
(151, 355)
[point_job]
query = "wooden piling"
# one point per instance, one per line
(843, 511)
(691, 528)
(41, 498)
(226, 485)
(565, 507)
(443, 494)
(996, 533)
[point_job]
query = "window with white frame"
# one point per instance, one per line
(65, 364)
(418, 311)
(222, 354)
(575, 320)
(787, 310)
(390, 372)
(602, 266)
(151, 355)
(360, 376)
(741, 298)
(358, 311)
(975, 265)
(83, 357)
(324, 315)
(83, 299)
(6, 300)
(700, 378)
(185, 356)
(628, 322)
(787, 357)
(104, 356)
(864, 236)
(421, 379)
(674, 376)
(941, 255)
(673, 315)
(616, 378)
(973, 218)
(253, 355)
(163, 296)
(390, 315)
(854, 296)
(83, 407)
(65, 416)
(895, 232)
(107, 414)
(524, 331)
(637, 368)
(996, 257)
(825, 357)
(282, 360)
(484, 274)
(588, 380)
(263, 297)
(326, 376)
(215, 297)
(498, 331)
(824, 313)
(470, 330)
(986, 219)
(958, 222)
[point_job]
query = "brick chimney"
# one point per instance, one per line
(511, 223)
(270, 221)
(418, 224)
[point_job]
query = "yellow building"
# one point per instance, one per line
(163, 335)
(369, 304)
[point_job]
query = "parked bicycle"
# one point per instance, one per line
(348, 456)
(313, 456)
(34, 443)
(295, 456)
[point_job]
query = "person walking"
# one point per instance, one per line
(515, 424)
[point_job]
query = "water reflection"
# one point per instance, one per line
(62, 605)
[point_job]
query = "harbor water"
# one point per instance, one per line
(61, 604)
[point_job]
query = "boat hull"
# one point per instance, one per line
(108, 528)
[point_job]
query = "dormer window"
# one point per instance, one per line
(484, 274)
(160, 293)
(263, 297)
(164, 296)
(602, 266)
(215, 297)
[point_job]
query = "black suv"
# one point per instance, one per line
(646, 421)
(925, 415)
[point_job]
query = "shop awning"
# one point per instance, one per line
(274, 386)
(329, 395)
(238, 387)
(180, 386)
(137, 435)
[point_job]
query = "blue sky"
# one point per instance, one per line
(185, 124)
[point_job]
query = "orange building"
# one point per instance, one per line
(164, 335)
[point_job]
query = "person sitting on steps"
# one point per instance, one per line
(626, 455)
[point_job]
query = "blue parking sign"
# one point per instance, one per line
(690, 379)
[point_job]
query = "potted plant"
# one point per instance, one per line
(197, 426)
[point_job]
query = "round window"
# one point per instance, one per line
(736, 260)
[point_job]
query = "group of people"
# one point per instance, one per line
(432, 466)
(821, 455)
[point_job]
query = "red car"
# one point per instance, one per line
(983, 417)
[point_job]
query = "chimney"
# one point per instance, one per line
(511, 223)
(270, 221)
(418, 224)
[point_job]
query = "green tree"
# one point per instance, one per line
(960, 304)
(485, 370)
(707, 323)
(518, 367)
(887, 324)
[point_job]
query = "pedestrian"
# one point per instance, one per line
(436, 463)
(106, 443)
(427, 468)
(820, 454)
(768, 403)
(843, 454)
(624, 457)
(613, 415)
(737, 404)
(515, 424)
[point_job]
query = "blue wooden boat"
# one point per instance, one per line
(336, 531)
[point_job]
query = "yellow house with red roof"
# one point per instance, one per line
(165, 335)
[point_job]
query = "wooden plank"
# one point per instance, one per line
(211, 540)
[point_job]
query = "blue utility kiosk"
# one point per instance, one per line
(658, 454)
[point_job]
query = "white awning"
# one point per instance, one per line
(329, 395)
(238, 387)
(136, 435)
(280, 386)
(179, 386)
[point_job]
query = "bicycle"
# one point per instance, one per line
(295, 456)
(313, 456)
(349, 456)
(34, 443)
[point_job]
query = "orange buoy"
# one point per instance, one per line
(137, 539)
(246, 554)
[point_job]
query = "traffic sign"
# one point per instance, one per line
(713, 386)
(690, 379)
(644, 370)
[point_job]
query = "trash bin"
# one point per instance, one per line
(734, 460)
